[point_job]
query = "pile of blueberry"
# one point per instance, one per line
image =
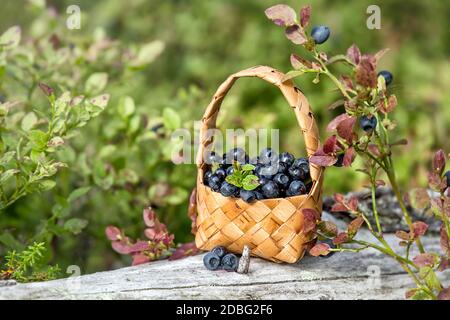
(278, 175)
(218, 258)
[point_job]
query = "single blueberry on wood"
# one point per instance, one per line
(320, 34)
(368, 124)
(229, 262)
(211, 261)
(219, 251)
(388, 77)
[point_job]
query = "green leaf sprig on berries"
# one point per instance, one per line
(243, 177)
(363, 130)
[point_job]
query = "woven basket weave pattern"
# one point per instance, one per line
(272, 228)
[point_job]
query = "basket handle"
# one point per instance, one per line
(292, 94)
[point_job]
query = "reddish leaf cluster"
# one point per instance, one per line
(159, 244)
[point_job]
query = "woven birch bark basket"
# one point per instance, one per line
(272, 228)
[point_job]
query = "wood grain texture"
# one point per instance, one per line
(366, 275)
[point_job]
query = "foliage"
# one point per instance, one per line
(27, 265)
(366, 96)
(243, 176)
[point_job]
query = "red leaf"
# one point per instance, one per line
(121, 247)
(436, 182)
(373, 148)
(298, 62)
(281, 14)
(444, 264)
(327, 228)
(355, 225)
(336, 121)
(338, 197)
(330, 145)
(366, 74)
(339, 207)
(185, 250)
(353, 203)
(403, 235)
(305, 15)
(341, 238)
(444, 241)
(323, 161)
(354, 54)
(349, 157)
(149, 217)
(419, 229)
(48, 91)
(295, 34)
(444, 294)
(439, 162)
(140, 259)
(424, 260)
(139, 246)
(320, 249)
(113, 233)
(310, 217)
(347, 82)
(345, 129)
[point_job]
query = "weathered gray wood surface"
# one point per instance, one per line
(365, 275)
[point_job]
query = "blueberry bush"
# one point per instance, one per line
(367, 101)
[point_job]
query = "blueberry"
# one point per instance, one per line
(332, 246)
(296, 188)
(236, 154)
(211, 261)
(368, 124)
(263, 180)
(447, 175)
(297, 173)
(229, 262)
(301, 163)
(214, 182)
(283, 167)
(230, 170)
(206, 177)
(259, 195)
(228, 190)
(247, 195)
(268, 156)
(286, 158)
(320, 34)
(281, 180)
(388, 77)
(219, 251)
(221, 173)
(212, 158)
(224, 163)
(340, 161)
(270, 190)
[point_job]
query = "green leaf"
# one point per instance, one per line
(292, 74)
(9, 241)
(77, 193)
(171, 119)
(147, 54)
(234, 181)
(10, 38)
(100, 101)
(38, 140)
(248, 167)
(430, 278)
(420, 295)
(29, 121)
(46, 185)
(75, 225)
(250, 182)
(126, 106)
(176, 196)
(96, 83)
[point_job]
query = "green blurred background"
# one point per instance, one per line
(205, 41)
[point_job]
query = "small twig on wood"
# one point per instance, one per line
(244, 261)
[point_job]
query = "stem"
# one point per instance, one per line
(395, 188)
(374, 203)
